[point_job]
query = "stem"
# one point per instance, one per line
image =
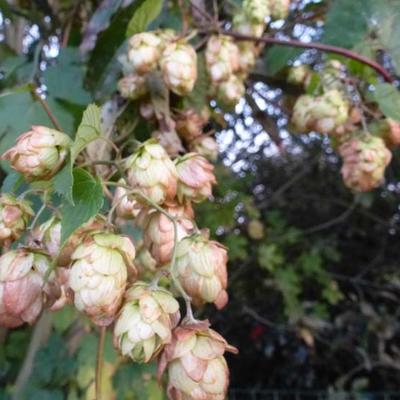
(40, 333)
(99, 363)
(37, 216)
(46, 108)
(313, 45)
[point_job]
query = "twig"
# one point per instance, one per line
(39, 336)
(68, 26)
(46, 107)
(332, 222)
(313, 45)
(99, 363)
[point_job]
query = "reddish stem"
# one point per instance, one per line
(317, 46)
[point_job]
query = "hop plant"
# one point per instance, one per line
(364, 161)
(132, 86)
(23, 288)
(99, 274)
(206, 146)
(195, 178)
(144, 52)
(201, 270)
(179, 67)
(159, 231)
(14, 217)
(256, 11)
(195, 363)
(39, 153)
(231, 91)
(47, 236)
(151, 171)
(145, 322)
(222, 58)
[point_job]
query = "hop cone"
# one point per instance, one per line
(179, 67)
(14, 218)
(39, 153)
(201, 270)
(23, 289)
(159, 232)
(99, 274)
(195, 178)
(144, 52)
(145, 322)
(151, 171)
(364, 162)
(196, 367)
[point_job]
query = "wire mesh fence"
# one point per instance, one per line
(256, 394)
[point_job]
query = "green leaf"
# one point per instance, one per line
(197, 99)
(12, 182)
(237, 246)
(63, 182)
(385, 18)
(278, 57)
(64, 318)
(13, 121)
(388, 99)
(88, 199)
(346, 24)
(64, 80)
(88, 130)
(270, 256)
(148, 11)
(99, 21)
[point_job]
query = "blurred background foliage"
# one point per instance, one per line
(314, 269)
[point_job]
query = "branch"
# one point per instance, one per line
(99, 364)
(46, 108)
(40, 334)
(317, 46)
(268, 125)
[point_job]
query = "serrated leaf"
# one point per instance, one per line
(349, 17)
(88, 200)
(88, 130)
(147, 12)
(70, 87)
(388, 99)
(63, 182)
